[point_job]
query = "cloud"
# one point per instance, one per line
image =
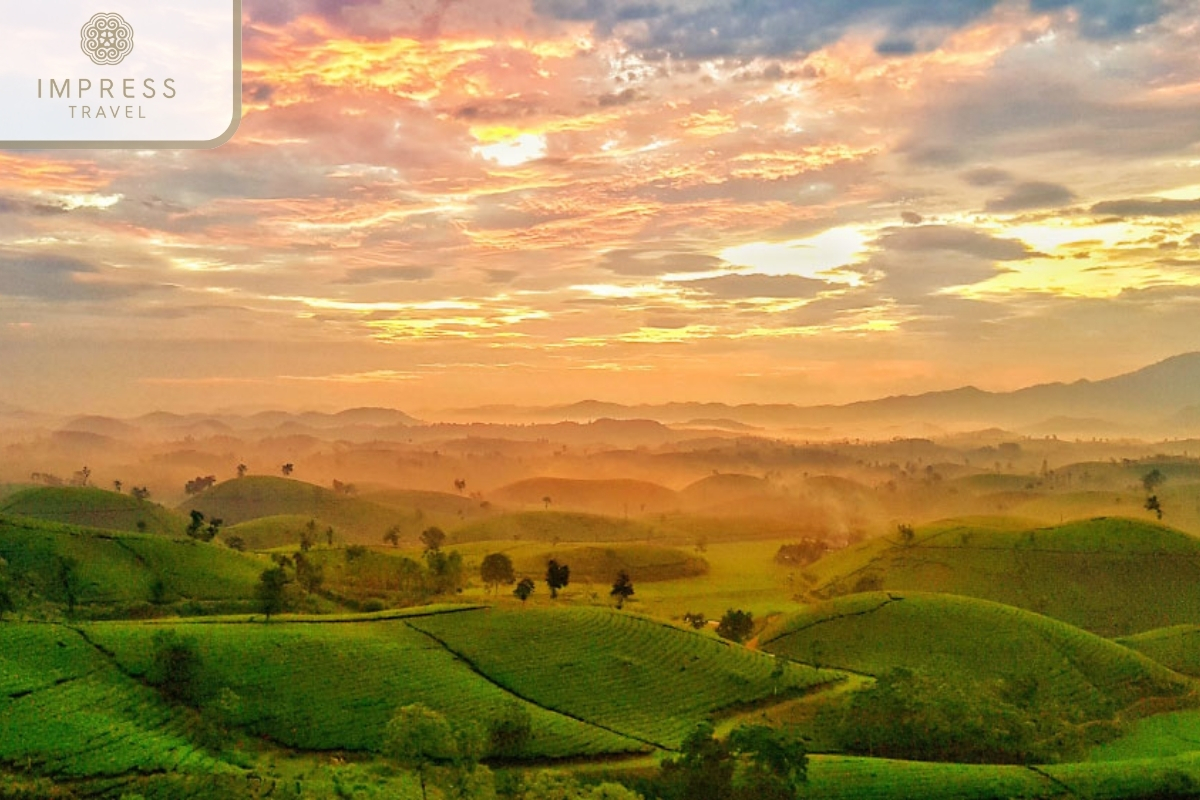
(986, 176)
(739, 287)
(56, 279)
(959, 240)
(1147, 207)
(386, 274)
(655, 262)
(1029, 195)
(911, 217)
(706, 29)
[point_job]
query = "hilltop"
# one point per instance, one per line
(616, 496)
(1110, 576)
(94, 508)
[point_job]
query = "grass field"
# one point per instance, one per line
(353, 519)
(1093, 574)
(111, 568)
(628, 673)
(965, 639)
(93, 508)
(1178, 647)
(334, 686)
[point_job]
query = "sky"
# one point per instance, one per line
(452, 203)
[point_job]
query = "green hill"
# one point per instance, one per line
(114, 570)
(254, 497)
(965, 639)
(552, 526)
(1178, 647)
(591, 564)
(334, 685)
(645, 679)
(93, 508)
(1110, 576)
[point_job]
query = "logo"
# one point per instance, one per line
(106, 39)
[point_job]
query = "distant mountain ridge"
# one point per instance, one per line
(1167, 392)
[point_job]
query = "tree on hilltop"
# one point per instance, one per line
(524, 588)
(241, 470)
(622, 588)
(433, 538)
(557, 577)
(287, 469)
(497, 568)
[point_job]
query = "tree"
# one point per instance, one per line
(906, 533)
(460, 485)
(214, 527)
(68, 581)
(497, 568)
(557, 577)
(1153, 479)
(392, 536)
(193, 528)
(81, 477)
(421, 739)
(310, 574)
(199, 484)
(8, 603)
(524, 589)
(269, 592)
(736, 625)
(175, 668)
(696, 619)
(140, 493)
(433, 539)
(1152, 504)
(622, 588)
(287, 469)
(329, 535)
(546, 501)
(235, 542)
(117, 486)
(445, 569)
(241, 470)
(509, 732)
(308, 536)
(755, 763)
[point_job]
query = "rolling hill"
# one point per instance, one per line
(1110, 576)
(116, 571)
(254, 497)
(966, 639)
(93, 508)
(617, 496)
(552, 526)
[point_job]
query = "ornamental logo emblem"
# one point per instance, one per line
(106, 39)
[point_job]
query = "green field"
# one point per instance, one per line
(353, 519)
(119, 569)
(93, 508)
(1093, 574)
(1178, 647)
(643, 678)
(334, 686)
(965, 639)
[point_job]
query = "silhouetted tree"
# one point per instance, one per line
(140, 493)
(287, 469)
(433, 539)
(557, 577)
(392, 536)
(546, 501)
(696, 619)
(496, 568)
(272, 584)
(197, 485)
(736, 625)
(117, 486)
(193, 528)
(241, 470)
(906, 533)
(81, 477)
(460, 485)
(622, 588)
(1152, 504)
(524, 588)
(1153, 479)
(214, 527)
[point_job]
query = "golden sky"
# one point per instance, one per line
(447, 203)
